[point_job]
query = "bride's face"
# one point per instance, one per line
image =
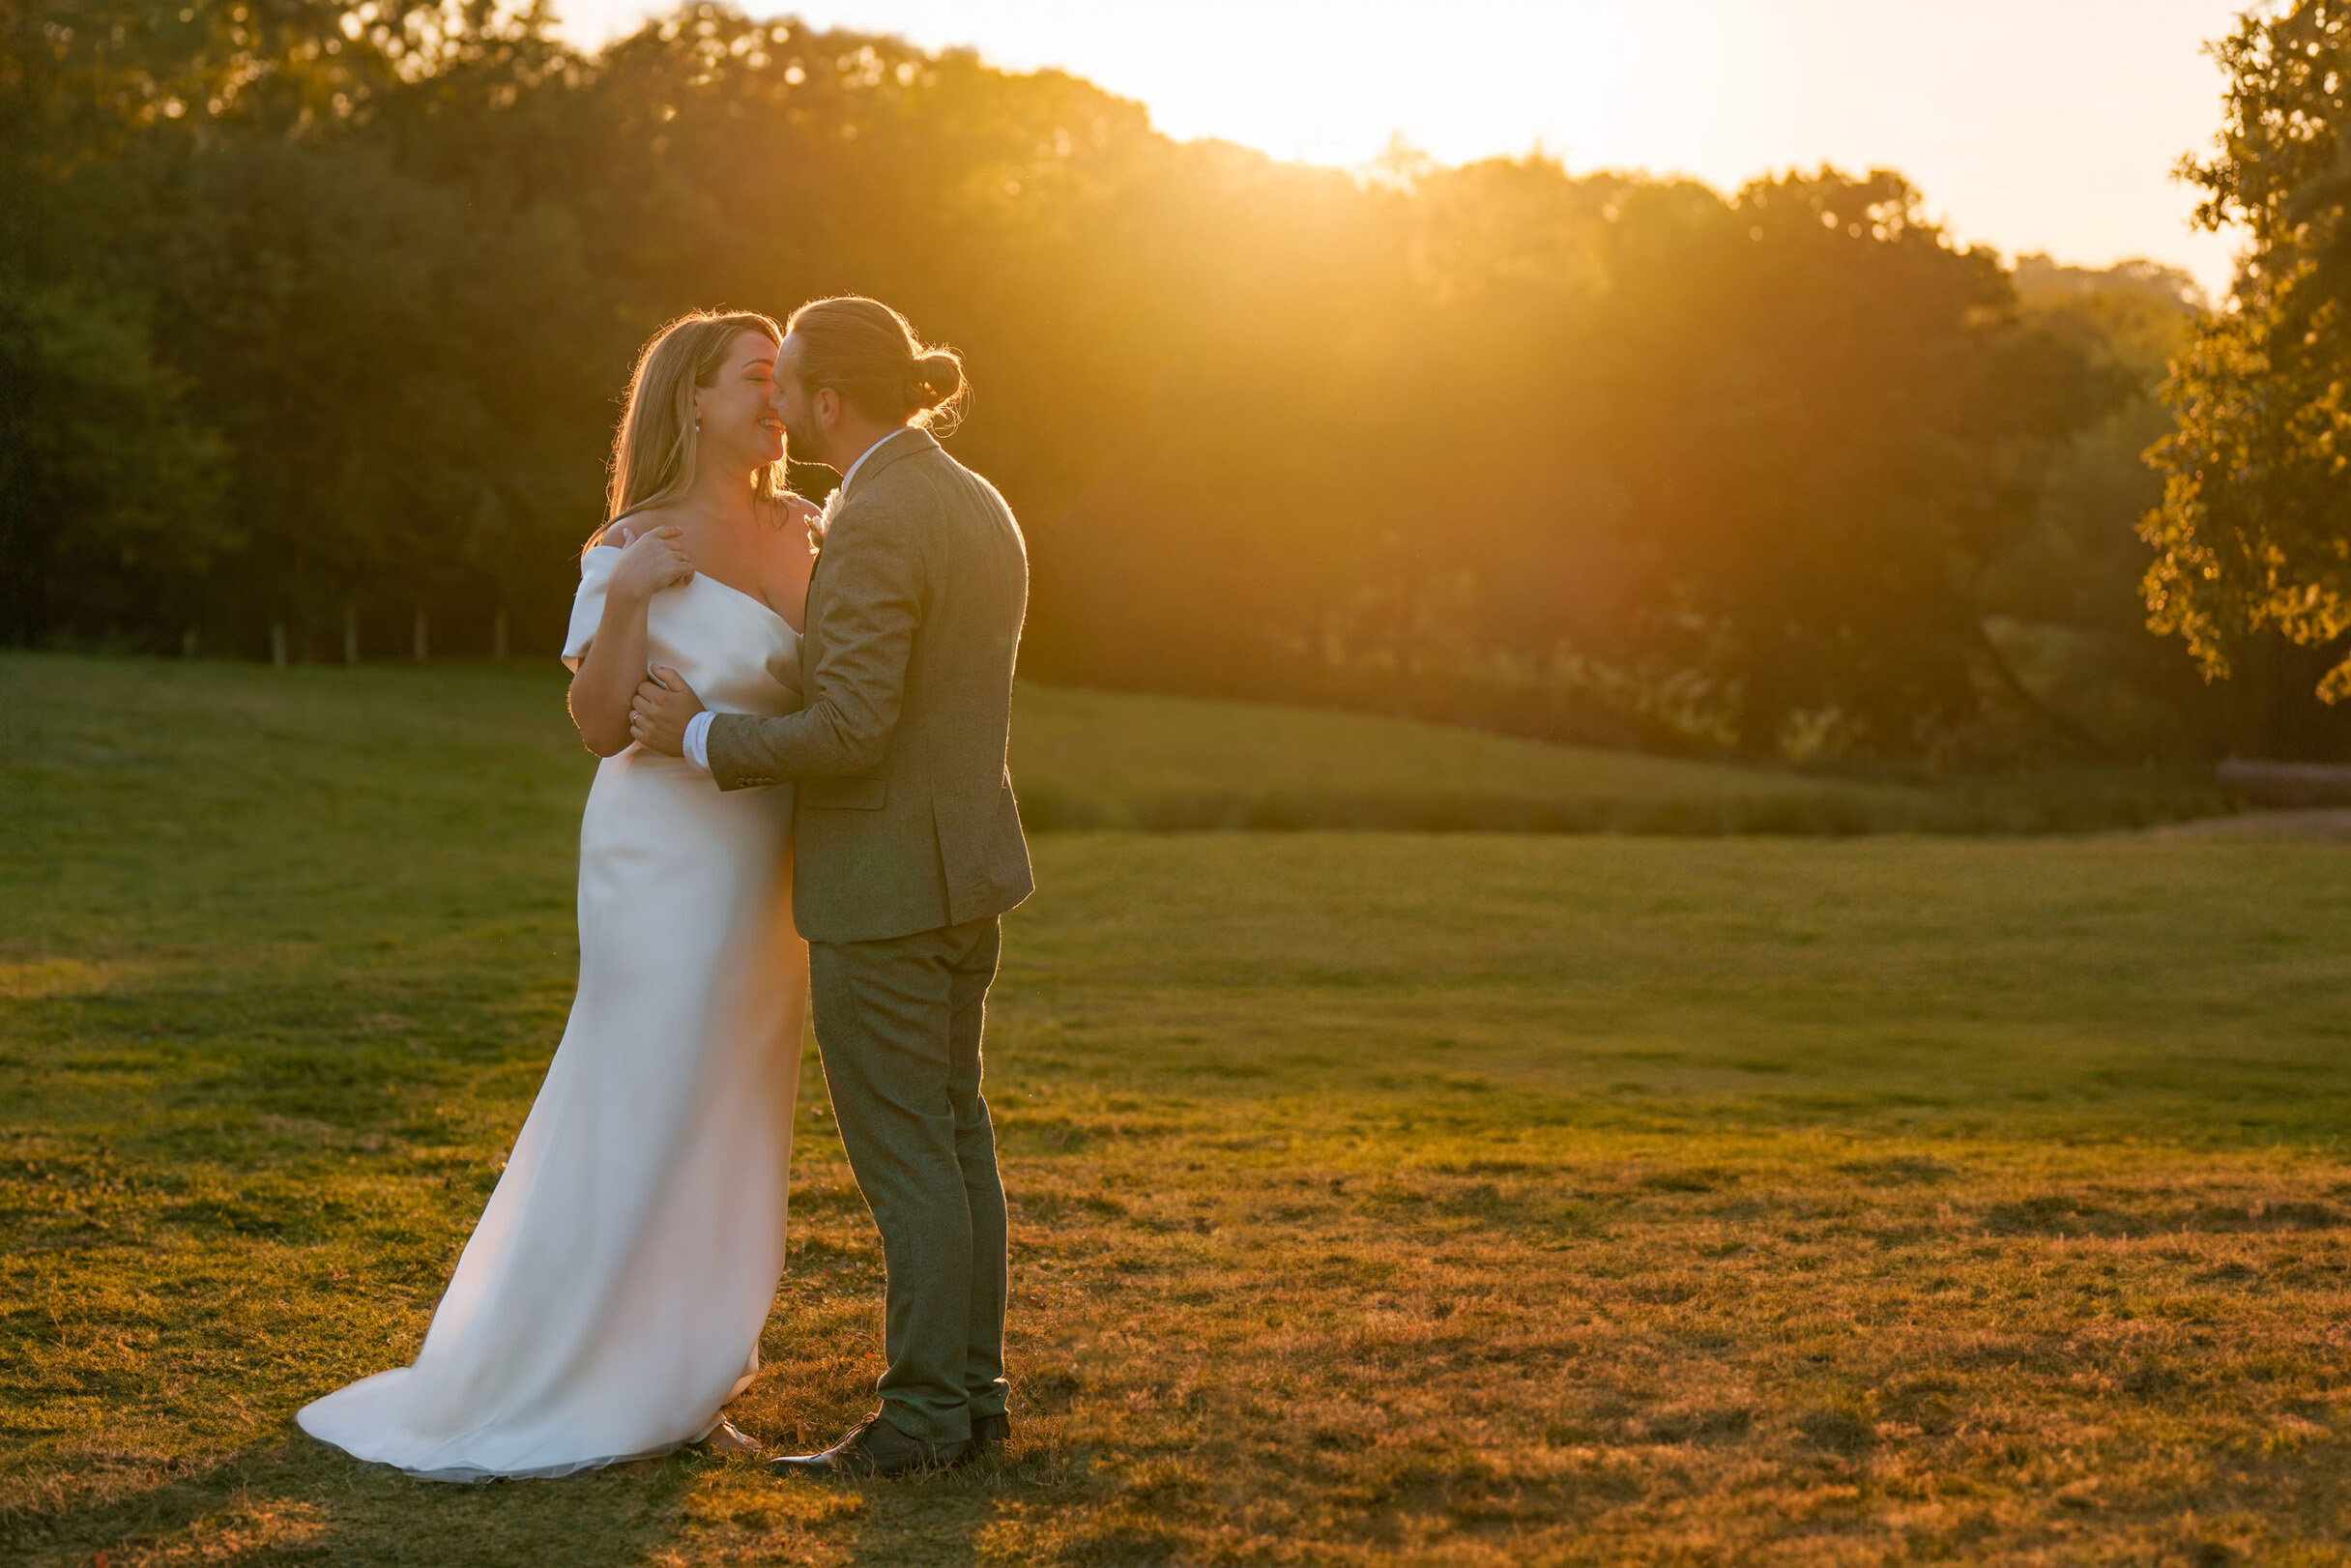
(738, 427)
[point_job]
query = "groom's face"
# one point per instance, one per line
(796, 405)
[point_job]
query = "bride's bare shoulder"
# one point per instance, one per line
(789, 534)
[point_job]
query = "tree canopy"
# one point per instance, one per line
(2253, 531)
(315, 314)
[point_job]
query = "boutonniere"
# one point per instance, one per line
(823, 521)
(815, 524)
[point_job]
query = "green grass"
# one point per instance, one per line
(1096, 760)
(1378, 1198)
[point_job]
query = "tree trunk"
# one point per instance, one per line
(498, 636)
(423, 626)
(351, 634)
(2017, 688)
(278, 644)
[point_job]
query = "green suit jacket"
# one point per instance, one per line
(904, 820)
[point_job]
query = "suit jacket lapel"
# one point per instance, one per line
(885, 452)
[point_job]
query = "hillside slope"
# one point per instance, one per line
(1081, 759)
(1088, 759)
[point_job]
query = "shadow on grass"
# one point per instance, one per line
(930, 1527)
(294, 1500)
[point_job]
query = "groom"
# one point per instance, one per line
(906, 846)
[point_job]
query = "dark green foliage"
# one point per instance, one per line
(2252, 545)
(78, 375)
(1604, 457)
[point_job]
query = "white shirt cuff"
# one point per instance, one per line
(698, 739)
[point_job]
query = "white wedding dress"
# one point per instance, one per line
(611, 1299)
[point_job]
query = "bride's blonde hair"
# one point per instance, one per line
(654, 450)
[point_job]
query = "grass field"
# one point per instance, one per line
(1118, 761)
(1378, 1198)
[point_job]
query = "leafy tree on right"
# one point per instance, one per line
(2253, 535)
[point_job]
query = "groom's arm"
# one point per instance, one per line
(864, 622)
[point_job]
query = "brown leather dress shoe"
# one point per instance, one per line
(989, 1433)
(873, 1448)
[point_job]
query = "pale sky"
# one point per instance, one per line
(2029, 124)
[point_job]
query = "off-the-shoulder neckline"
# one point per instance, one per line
(752, 599)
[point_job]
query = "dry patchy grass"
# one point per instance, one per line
(1376, 1199)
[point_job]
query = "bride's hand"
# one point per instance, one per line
(650, 563)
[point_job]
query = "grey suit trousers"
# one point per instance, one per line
(898, 1023)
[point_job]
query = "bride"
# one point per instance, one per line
(611, 1299)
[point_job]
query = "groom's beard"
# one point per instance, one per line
(802, 438)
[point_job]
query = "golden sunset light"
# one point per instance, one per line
(1130, 783)
(2032, 125)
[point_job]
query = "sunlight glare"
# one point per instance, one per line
(2027, 126)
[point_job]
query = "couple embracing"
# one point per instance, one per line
(803, 798)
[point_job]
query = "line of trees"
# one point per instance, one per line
(313, 315)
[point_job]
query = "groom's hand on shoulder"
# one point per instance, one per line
(660, 712)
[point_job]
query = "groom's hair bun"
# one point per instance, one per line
(935, 379)
(869, 354)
